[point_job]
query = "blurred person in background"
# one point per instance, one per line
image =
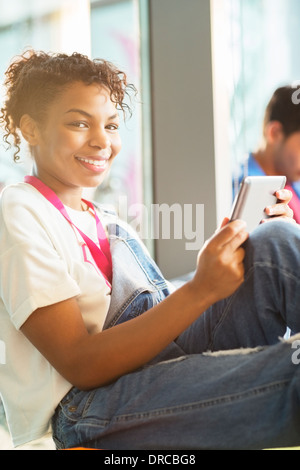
(279, 151)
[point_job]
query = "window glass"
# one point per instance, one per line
(262, 37)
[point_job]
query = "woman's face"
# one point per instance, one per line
(80, 139)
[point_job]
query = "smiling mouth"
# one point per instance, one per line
(96, 163)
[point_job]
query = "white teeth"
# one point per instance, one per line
(100, 163)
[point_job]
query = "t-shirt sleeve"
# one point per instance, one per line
(32, 273)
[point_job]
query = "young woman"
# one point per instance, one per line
(95, 341)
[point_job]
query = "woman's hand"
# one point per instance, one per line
(281, 209)
(220, 269)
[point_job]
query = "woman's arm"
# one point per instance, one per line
(89, 361)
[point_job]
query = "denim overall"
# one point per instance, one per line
(145, 286)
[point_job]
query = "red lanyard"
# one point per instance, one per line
(102, 255)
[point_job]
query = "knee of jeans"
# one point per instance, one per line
(275, 230)
(272, 239)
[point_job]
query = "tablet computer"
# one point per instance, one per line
(255, 194)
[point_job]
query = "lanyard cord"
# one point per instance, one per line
(102, 255)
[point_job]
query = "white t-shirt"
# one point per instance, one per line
(42, 262)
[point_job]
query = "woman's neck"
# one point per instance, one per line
(69, 195)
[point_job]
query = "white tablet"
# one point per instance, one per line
(255, 194)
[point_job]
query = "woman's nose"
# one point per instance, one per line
(100, 139)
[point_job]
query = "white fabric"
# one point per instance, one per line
(41, 263)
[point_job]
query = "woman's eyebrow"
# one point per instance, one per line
(84, 113)
(80, 111)
(114, 116)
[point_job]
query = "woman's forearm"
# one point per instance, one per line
(126, 347)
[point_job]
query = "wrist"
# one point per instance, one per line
(200, 295)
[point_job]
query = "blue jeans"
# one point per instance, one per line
(204, 391)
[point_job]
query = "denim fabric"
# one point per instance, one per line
(204, 391)
(138, 283)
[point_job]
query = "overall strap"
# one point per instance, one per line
(101, 255)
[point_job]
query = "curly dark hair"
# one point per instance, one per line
(35, 79)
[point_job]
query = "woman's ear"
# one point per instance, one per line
(29, 129)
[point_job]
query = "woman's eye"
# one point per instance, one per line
(79, 124)
(112, 127)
